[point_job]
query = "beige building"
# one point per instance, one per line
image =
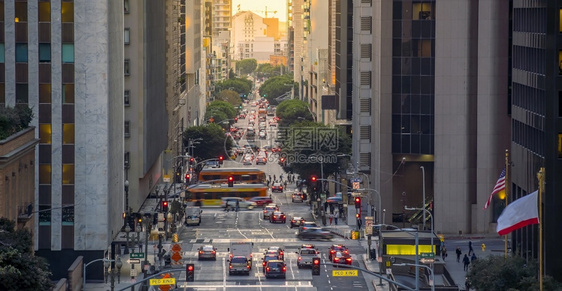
(429, 108)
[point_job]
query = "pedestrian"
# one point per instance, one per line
(331, 218)
(473, 258)
(336, 217)
(459, 253)
(466, 261)
(470, 249)
(443, 252)
(237, 205)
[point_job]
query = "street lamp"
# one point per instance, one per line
(431, 217)
(117, 263)
(127, 212)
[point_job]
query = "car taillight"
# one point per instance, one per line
(346, 252)
(293, 220)
(230, 266)
(200, 252)
(281, 253)
(284, 268)
(248, 266)
(213, 252)
(348, 259)
(336, 259)
(267, 269)
(265, 211)
(332, 251)
(300, 258)
(263, 263)
(274, 216)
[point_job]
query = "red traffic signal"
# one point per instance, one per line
(230, 181)
(221, 158)
(358, 215)
(189, 268)
(357, 202)
(164, 206)
(190, 272)
(187, 177)
(313, 179)
(192, 160)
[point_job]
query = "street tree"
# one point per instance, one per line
(246, 66)
(275, 87)
(213, 141)
(267, 70)
(309, 146)
(230, 96)
(503, 274)
(291, 111)
(228, 109)
(19, 268)
(239, 85)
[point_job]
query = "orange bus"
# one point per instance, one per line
(241, 175)
(212, 194)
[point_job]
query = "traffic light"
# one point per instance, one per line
(316, 266)
(191, 161)
(313, 179)
(189, 272)
(357, 202)
(165, 206)
(358, 215)
(187, 177)
(178, 177)
(155, 219)
(230, 181)
(221, 158)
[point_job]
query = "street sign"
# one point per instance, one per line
(344, 273)
(368, 225)
(134, 261)
(356, 185)
(164, 281)
(136, 255)
(166, 179)
(427, 255)
(356, 180)
(134, 272)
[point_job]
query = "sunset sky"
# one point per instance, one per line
(258, 6)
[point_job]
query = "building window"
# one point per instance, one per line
(45, 93)
(2, 53)
(68, 53)
(67, 174)
(560, 145)
(44, 215)
(68, 133)
(21, 52)
(422, 11)
(127, 128)
(44, 11)
(22, 93)
(127, 36)
(45, 174)
(2, 93)
(44, 52)
(366, 24)
(45, 133)
(68, 93)
(127, 67)
(126, 5)
(127, 98)
(21, 12)
(366, 78)
(67, 215)
(67, 12)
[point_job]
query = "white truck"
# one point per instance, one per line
(241, 248)
(193, 215)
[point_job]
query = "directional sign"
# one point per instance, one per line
(164, 281)
(134, 261)
(427, 255)
(344, 273)
(136, 255)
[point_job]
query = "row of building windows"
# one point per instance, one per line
(43, 13)
(528, 137)
(45, 133)
(45, 174)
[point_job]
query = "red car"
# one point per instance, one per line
(261, 201)
(278, 216)
(341, 258)
(277, 187)
(338, 248)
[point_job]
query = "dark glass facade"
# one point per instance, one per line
(413, 70)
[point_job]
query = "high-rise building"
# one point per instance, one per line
(535, 124)
(341, 59)
(298, 34)
(430, 90)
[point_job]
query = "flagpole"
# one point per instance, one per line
(540, 177)
(507, 181)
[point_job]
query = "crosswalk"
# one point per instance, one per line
(256, 240)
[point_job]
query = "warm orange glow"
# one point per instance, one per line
(502, 194)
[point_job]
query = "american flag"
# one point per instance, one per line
(500, 185)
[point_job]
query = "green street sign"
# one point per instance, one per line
(427, 255)
(136, 255)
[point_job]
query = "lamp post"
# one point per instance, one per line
(126, 212)
(423, 191)
(431, 217)
(107, 264)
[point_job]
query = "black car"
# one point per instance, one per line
(315, 233)
(275, 269)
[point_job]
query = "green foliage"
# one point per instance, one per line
(267, 70)
(14, 119)
(220, 111)
(19, 268)
(213, 141)
(241, 86)
(232, 97)
(304, 167)
(176, 208)
(513, 273)
(246, 66)
(291, 111)
(277, 86)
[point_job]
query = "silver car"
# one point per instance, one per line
(207, 252)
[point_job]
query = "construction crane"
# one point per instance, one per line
(265, 11)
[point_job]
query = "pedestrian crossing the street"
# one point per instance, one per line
(258, 240)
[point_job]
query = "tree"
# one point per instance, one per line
(213, 141)
(277, 86)
(19, 268)
(230, 96)
(512, 273)
(14, 119)
(222, 106)
(308, 146)
(246, 66)
(291, 111)
(267, 70)
(241, 86)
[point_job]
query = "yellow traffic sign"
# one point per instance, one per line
(164, 281)
(344, 273)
